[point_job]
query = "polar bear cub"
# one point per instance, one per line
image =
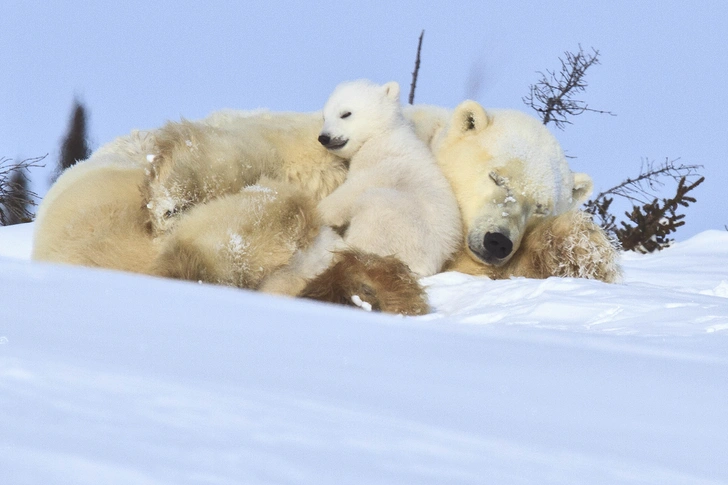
(395, 201)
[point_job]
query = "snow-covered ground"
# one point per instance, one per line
(113, 378)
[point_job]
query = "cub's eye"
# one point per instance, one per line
(345, 115)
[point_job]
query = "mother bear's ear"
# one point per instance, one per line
(469, 118)
(583, 187)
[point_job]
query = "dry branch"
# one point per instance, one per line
(651, 221)
(416, 72)
(552, 97)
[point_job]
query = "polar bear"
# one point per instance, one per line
(117, 209)
(518, 197)
(184, 201)
(194, 162)
(96, 214)
(395, 201)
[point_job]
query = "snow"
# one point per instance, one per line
(16, 241)
(115, 378)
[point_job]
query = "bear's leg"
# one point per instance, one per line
(306, 264)
(240, 239)
(371, 282)
(569, 245)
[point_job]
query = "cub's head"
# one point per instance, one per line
(508, 173)
(357, 111)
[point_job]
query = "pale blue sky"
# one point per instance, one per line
(664, 70)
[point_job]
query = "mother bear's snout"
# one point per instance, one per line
(497, 245)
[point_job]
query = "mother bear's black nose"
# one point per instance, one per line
(324, 139)
(497, 244)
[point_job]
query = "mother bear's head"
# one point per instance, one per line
(508, 173)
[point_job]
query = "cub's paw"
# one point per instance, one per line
(332, 213)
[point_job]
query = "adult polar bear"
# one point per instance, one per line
(95, 214)
(519, 199)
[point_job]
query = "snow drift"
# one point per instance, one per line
(114, 378)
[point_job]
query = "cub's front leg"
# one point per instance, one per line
(335, 209)
(339, 207)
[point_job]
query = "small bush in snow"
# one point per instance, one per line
(16, 199)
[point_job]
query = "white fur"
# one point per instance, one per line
(507, 170)
(96, 215)
(395, 199)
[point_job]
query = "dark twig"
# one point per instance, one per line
(642, 188)
(416, 71)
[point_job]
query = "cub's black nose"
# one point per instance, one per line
(497, 244)
(324, 139)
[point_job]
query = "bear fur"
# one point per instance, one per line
(395, 201)
(383, 284)
(94, 215)
(514, 188)
(137, 198)
(192, 163)
(120, 209)
(240, 239)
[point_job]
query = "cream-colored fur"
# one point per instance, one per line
(305, 264)
(93, 214)
(195, 162)
(96, 214)
(569, 245)
(513, 185)
(395, 200)
(240, 239)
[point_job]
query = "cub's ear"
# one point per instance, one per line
(470, 117)
(391, 90)
(583, 187)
